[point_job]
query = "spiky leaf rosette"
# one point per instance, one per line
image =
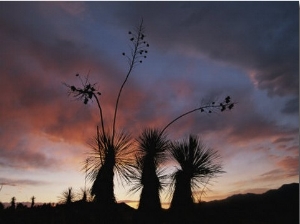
(151, 152)
(153, 144)
(196, 164)
(119, 153)
(151, 148)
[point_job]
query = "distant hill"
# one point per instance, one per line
(275, 206)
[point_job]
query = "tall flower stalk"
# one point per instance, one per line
(137, 54)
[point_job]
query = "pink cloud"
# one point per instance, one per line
(290, 164)
(21, 182)
(73, 8)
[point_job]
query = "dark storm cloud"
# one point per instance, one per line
(35, 60)
(245, 123)
(291, 106)
(32, 68)
(261, 37)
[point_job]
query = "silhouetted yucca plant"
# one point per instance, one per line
(149, 176)
(13, 203)
(105, 159)
(32, 201)
(67, 196)
(196, 165)
(109, 145)
(153, 144)
(84, 195)
(152, 148)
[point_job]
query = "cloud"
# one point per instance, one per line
(258, 36)
(290, 164)
(283, 140)
(291, 106)
(265, 178)
(21, 182)
(35, 104)
(73, 8)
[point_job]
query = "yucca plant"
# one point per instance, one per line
(197, 164)
(84, 195)
(105, 157)
(13, 203)
(152, 143)
(32, 202)
(67, 196)
(148, 176)
(152, 147)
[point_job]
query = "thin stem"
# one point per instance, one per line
(204, 188)
(189, 112)
(99, 148)
(132, 63)
(101, 115)
(86, 169)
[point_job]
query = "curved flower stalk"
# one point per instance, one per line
(86, 93)
(211, 107)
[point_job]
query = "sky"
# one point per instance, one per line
(199, 52)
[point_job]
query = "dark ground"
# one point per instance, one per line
(273, 207)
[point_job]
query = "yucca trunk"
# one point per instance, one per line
(149, 200)
(182, 198)
(103, 187)
(181, 208)
(149, 210)
(152, 145)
